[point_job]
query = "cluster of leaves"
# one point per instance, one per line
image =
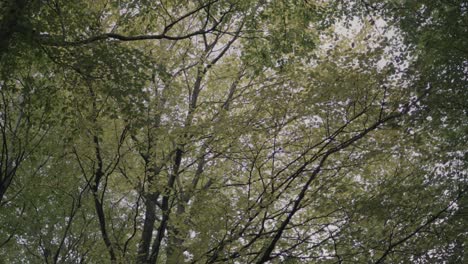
(245, 131)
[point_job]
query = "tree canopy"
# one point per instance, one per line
(233, 131)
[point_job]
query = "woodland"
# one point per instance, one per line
(233, 131)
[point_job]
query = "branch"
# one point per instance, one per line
(296, 204)
(49, 40)
(417, 230)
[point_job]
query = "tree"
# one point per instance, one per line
(233, 132)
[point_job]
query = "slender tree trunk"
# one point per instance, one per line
(156, 248)
(148, 227)
(99, 174)
(175, 242)
(8, 175)
(102, 225)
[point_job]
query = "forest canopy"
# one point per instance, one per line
(233, 131)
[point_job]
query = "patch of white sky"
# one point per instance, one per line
(349, 32)
(376, 31)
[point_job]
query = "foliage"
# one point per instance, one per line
(233, 131)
